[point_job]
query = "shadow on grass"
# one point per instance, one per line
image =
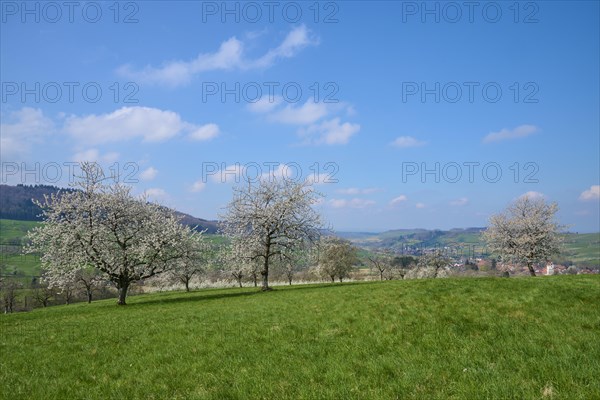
(312, 286)
(196, 296)
(205, 295)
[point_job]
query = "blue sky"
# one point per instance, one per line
(405, 114)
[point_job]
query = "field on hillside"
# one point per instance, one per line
(12, 261)
(582, 249)
(25, 266)
(530, 338)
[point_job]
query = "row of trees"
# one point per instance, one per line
(101, 232)
(102, 227)
(20, 295)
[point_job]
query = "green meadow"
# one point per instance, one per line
(486, 338)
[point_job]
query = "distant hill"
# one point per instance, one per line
(16, 201)
(416, 237)
(16, 204)
(581, 249)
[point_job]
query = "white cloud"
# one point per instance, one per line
(178, 73)
(27, 127)
(205, 132)
(330, 132)
(355, 191)
(265, 104)
(198, 186)
(463, 201)
(593, 193)
(155, 193)
(305, 114)
(234, 173)
(93, 155)
(420, 205)
(149, 124)
(353, 203)
(296, 40)
(520, 131)
(532, 195)
(404, 142)
(321, 179)
(282, 171)
(308, 115)
(229, 56)
(149, 174)
(398, 200)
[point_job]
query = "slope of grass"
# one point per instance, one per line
(525, 338)
(12, 261)
(583, 248)
(12, 231)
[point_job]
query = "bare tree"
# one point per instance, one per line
(43, 293)
(382, 262)
(525, 232)
(401, 265)
(8, 289)
(89, 279)
(69, 292)
(271, 218)
(103, 225)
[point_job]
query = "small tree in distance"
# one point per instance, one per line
(196, 255)
(382, 263)
(8, 293)
(402, 264)
(435, 261)
(525, 232)
(336, 257)
(235, 262)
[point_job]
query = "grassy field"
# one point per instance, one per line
(12, 261)
(583, 248)
(14, 230)
(525, 338)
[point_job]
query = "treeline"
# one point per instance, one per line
(16, 203)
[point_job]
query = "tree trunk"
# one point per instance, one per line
(332, 278)
(123, 293)
(531, 270)
(89, 296)
(255, 278)
(265, 271)
(187, 285)
(265, 282)
(381, 275)
(240, 281)
(290, 280)
(265, 275)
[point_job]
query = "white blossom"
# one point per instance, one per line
(104, 226)
(525, 232)
(270, 219)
